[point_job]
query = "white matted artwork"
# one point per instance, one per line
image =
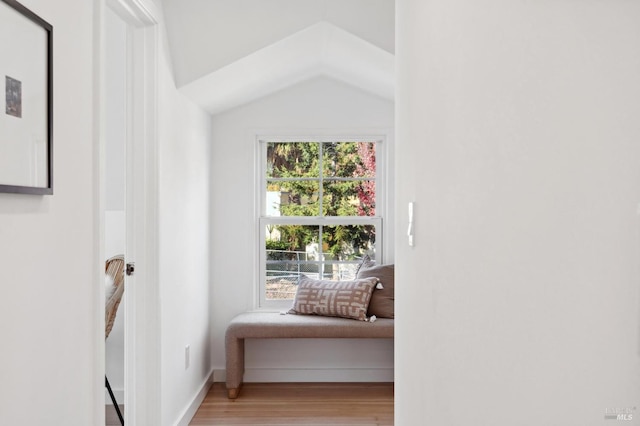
(25, 101)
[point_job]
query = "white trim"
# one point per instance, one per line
(192, 408)
(274, 375)
(99, 203)
(142, 342)
(299, 375)
(323, 135)
(142, 326)
(139, 13)
(322, 220)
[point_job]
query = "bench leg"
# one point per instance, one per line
(233, 393)
(235, 365)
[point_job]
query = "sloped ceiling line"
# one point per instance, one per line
(321, 49)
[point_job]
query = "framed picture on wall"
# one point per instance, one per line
(26, 101)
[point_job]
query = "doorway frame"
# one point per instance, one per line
(142, 310)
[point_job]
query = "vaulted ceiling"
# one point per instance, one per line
(229, 52)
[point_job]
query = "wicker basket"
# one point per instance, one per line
(114, 268)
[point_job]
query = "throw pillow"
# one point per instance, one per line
(366, 262)
(382, 301)
(346, 299)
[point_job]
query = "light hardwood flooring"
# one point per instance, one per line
(111, 417)
(303, 404)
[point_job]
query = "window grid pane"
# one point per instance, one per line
(295, 251)
(330, 183)
(349, 197)
(292, 159)
(282, 278)
(337, 179)
(349, 159)
(292, 198)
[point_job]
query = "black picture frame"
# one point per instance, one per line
(26, 101)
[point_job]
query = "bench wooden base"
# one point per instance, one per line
(272, 325)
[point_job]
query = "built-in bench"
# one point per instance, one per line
(272, 325)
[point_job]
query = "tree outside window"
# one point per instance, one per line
(320, 211)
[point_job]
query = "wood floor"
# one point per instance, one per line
(302, 404)
(111, 417)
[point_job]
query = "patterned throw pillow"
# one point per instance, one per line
(346, 299)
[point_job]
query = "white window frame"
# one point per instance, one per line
(263, 221)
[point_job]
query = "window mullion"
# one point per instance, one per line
(320, 178)
(327, 220)
(320, 251)
(310, 179)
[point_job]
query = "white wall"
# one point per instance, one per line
(316, 106)
(184, 256)
(49, 357)
(518, 140)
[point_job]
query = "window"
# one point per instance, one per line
(318, 212)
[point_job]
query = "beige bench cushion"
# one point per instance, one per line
(263, 325)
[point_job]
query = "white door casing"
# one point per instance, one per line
(142, 340)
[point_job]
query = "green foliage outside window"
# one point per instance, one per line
(348, 189)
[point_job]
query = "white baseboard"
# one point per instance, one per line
(118, 393)
(275, 375)
(191, 409)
